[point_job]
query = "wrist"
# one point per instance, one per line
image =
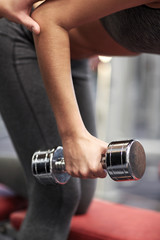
(75, 138)
(72, 132)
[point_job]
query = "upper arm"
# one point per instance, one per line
(70, 13)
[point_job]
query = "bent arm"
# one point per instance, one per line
(56, 19)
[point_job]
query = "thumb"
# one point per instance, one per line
(31, 25)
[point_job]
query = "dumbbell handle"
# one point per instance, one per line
(124, 161)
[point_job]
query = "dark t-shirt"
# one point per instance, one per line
(137, 29)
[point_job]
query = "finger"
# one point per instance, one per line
(31, 25)
(81, 174)
(101, 172)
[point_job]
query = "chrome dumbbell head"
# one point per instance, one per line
(125, 160)
(48, 167)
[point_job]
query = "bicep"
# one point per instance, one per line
(71, 13)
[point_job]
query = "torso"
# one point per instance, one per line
(137, 29)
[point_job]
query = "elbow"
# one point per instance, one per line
(48, 16)
(43, 19)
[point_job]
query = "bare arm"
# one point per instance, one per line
(81, 150)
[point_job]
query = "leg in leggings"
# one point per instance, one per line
(29, 119)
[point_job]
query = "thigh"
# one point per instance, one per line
(30, 121)
(23, 101)
(24, 104)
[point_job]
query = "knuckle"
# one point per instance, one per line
(84, 173)
(69, 171)
(74, 173)
(94, 169)
(77, 173)
(103, 174)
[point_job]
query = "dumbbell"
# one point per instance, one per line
(124, 161)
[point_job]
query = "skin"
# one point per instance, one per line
(19, 11)
(68, 29)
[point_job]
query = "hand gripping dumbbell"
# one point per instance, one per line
(124, 161)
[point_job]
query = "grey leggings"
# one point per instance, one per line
(30, 121)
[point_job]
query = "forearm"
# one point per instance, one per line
(82, 152)
(79, 147)
(56, 18)
(54, 59)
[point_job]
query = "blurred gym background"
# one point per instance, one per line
(127, 106)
